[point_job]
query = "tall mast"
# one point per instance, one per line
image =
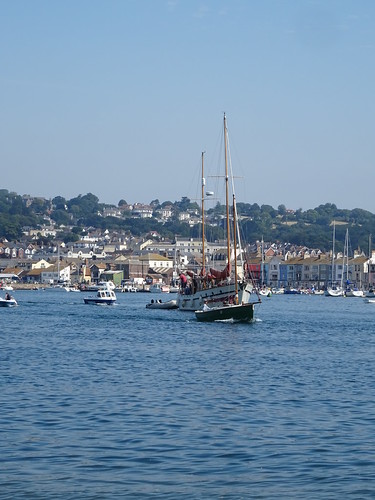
(58, 263)
(262, 250)
(333, 252)
(203, 184)
(235, 249)
(226, 187)
(369, 261)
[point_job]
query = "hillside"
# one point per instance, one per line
(311, 228)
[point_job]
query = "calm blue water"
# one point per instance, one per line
(115, 402)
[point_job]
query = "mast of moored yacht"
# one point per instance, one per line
(369, 261)
(203, 184)
(235, 250)
(333, 252)
(227, 188)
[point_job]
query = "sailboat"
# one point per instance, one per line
(351, 289)
(334, 290)
(264, 291)
(234, 311)
(220, 294)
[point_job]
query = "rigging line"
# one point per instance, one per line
(234, 194)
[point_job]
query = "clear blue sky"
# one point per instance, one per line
(119, 98)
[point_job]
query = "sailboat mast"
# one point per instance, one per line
(227, 187)
(262, 249)
(369, 261)
(347, 253)
(333, 251)
(235, 250)
(58, 263)
(203, 249)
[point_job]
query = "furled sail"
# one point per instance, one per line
(221, 275)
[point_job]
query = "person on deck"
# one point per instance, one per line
(183, 280)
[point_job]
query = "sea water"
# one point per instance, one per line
(122, 401)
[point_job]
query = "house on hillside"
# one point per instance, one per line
(41, 264)
(96, 271)
(57, 273)
(157, 262)
(165, 213)
(33, 276)
(133, 269)
(142, 211)
(115, 276)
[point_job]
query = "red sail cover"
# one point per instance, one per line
(221, 275)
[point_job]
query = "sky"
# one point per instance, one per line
(119, 98)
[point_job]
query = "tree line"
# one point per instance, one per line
(312, 227)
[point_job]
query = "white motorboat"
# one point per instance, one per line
(104, 296)
(102, 285)
(9, 301)
(7, 288)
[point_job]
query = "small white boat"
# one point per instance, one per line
(158, 304)
(129, 288)
(102, 285)
(105, 297)
(354, 292)
(159, 288)
(8, 301)
(334, 292)
(7, 288)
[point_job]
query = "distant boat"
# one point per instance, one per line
(334, 290)
(158, 304)
(9, 301)
(354, 292)
(102, 285)
(266, 292)
(105, 296)
(351, 289)
(159, 288)
(7, 288)
(292, 291)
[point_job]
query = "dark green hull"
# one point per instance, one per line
(241, 312)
